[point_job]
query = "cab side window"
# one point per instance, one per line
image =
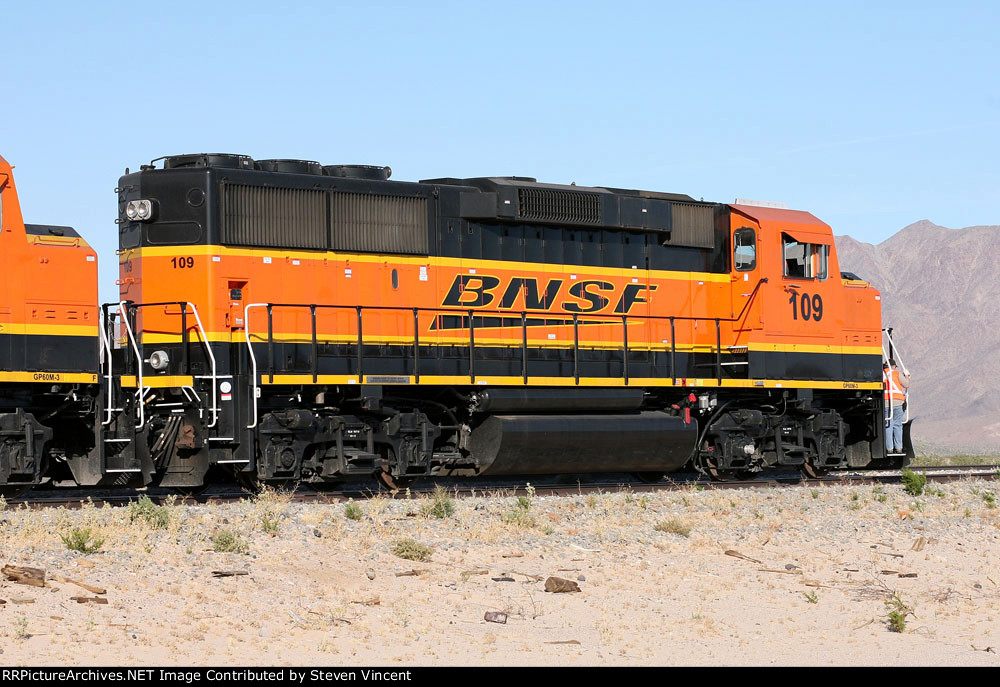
(744, 249)
(804, 260)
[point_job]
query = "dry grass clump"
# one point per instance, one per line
(269, 508)
(412, 550)
(520, 515)
(147, 512)
(225, 541)
(673, 526)
(352, 511)
(20, 629)
(376, 507)
(440, 505)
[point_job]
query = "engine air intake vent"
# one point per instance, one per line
(279, 217)
(290, 166)
(692, 225)
(368, 222)
(224, 160)
(373, 172)
(559, 206)
(322, 220)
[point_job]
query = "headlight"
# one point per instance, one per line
(139, 210)
(159, 360)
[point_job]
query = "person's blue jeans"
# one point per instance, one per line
(894, 432)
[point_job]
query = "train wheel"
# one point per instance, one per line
(718, 475)
(392, 482)
(810, 470)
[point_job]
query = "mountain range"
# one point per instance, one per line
(941, 295)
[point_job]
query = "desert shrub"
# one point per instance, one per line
(673, 526)
(82, 539)
(897, 613)
(269, 506)
(440, 505)
(144, 510)
(352, 511)
(412, 550)
(913, 482)
(521, 515)
(225, 541)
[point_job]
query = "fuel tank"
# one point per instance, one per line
(538, 444)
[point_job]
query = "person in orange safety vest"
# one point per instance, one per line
(895, 385)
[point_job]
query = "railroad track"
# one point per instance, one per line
(465, 487)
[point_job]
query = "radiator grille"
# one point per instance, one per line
(692, 225)
(559, 206)
(279, 217)
(321, 220)
(378, 224)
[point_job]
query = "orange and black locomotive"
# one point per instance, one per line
(291, 321)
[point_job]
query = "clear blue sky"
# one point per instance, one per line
(869, 115)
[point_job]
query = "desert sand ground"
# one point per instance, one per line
(779, 576)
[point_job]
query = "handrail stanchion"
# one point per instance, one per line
(361, 346)
(416, 345)
(270, 344)
(185, 359)
(315, 344)
(576, 348)
(524, 346)
(472, 348)
(718, 351)
(673, 353)
(625, 341)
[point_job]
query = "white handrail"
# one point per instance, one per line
(211, 357)
(106, 346)
(208, 350)
(253, 361)
(898, 358)
(141, 393)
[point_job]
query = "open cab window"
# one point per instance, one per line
(744, 249)
(804, 260)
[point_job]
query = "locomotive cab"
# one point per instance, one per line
(800, 323)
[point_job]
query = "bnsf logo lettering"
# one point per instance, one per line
(46, 377)
(585, 296)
